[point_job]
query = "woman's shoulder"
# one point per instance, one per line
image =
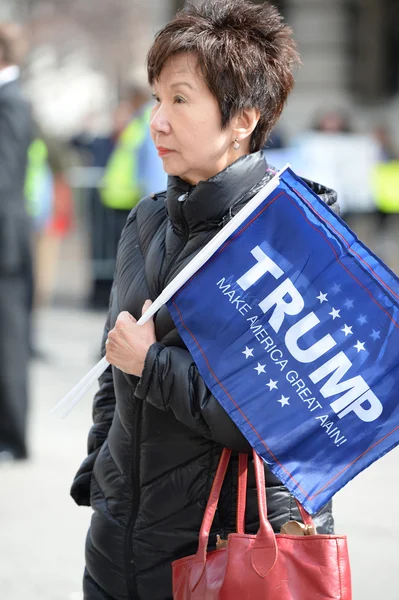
(139, 232)
(145, 219)
(149, 207)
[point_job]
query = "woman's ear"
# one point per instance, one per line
(245, 122)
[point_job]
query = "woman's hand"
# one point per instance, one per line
(128, 343)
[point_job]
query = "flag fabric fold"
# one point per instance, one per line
(294, 325)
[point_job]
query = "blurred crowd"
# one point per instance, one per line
(50, 187)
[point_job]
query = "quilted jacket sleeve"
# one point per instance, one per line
(103, 413)
(170, 381)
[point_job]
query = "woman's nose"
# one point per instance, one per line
(159, 121)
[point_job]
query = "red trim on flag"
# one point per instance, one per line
(346, 243)
(310, 498)
(234, 402)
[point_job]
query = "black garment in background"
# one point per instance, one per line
(156, 441)
(15, 269)
(105, 225)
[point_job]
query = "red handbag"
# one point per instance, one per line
(266, 565)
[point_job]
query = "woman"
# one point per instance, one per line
(220, 74)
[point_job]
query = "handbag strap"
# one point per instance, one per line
(305, 516)
(261, 490)
(198, 564)
(242, 492)
(212, 503)
(264, 549)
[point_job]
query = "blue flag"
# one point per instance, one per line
(294, 326)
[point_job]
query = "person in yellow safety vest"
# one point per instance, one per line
(385, 177)
(134, 168)
(39, 185)
(386, 186)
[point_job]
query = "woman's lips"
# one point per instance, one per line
(163, 151)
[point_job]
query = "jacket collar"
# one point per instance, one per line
(209, 201)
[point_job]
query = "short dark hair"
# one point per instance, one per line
(245, 52)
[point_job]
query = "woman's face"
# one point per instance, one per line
(186, 124)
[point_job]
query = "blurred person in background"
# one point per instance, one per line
(221, 73)
(388, 152)
(60, 224)
(333, 121)
(50, 206)
(132, 169)
(385, 183)
(15, 248)
(95, 150)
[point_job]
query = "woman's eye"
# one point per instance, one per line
(179, 100)
(154, 97)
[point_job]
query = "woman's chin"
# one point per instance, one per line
(169, 167)
(173, 171)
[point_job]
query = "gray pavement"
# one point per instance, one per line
(42, 531)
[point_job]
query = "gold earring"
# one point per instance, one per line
(236, 144)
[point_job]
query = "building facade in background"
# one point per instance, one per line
(82, 52)
(350, 61)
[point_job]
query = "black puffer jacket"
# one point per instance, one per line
(155, 442)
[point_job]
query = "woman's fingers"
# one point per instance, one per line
(146, 306)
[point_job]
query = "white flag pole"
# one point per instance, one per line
(77, 393)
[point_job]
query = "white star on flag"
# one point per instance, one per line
(375, 335)
(362, 320)
(335, 314)
(272, 385)
(336, 288)
(347, 330)
(260, 368)
(359, 346)
(322, 297)
(248, 352)
(284, 401)
(348, 304)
